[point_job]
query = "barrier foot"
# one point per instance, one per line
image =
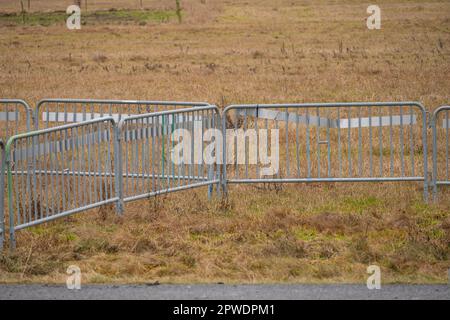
(12, 242)
(119, 208)
(210, 191)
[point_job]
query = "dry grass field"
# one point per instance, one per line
(227, 52)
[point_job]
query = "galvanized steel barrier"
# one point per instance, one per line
(148, 166)
(56, 172)
(53, 112)
(440, 123)
(15, 117)
(328, 142)
(94, 160)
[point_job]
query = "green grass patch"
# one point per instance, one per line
(306, 234)
(139, 16)
(69, 237)
(310, 234)
(35, 18)
(359, 205)
(112, 16)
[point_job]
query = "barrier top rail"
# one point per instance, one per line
(167, 112)
(77, 110)
(59, 128)
(329, 105)
(105, 101)
(439, 110)
(18, 101)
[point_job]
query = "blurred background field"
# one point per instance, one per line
(226, 52)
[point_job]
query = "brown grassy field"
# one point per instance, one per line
(228, 52)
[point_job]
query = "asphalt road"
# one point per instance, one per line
(225, 292)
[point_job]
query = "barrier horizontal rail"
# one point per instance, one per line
(327, 142)
(35, 196)
(53, 112)
(441, 141)
(15, 117)
(148, 168)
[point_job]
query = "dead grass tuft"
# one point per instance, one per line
(332, 223)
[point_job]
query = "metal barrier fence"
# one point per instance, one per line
(54, 112)
(326, 142)
(149, 166)
(60, 171)
(15, 117)
(440, 123)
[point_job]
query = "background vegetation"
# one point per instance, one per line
(227, 52)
